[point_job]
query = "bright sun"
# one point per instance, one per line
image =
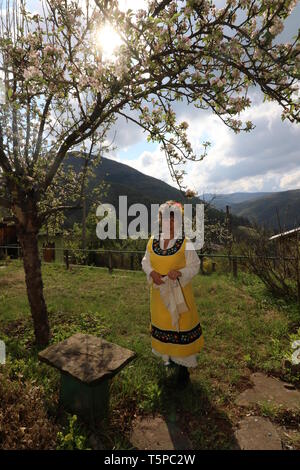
(109, 41)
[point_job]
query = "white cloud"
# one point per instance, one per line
(290, 180)
(266, 159)
(126, 133)
(150, 163)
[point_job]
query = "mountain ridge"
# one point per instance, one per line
(275, 210)
(139, 188)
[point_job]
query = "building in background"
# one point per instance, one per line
(51, 247)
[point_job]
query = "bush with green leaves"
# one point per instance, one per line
(72, 437)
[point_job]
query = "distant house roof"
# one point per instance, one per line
(285, 234)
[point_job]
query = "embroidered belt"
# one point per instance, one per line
(176, 337)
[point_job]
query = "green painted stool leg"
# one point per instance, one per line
(91, 402)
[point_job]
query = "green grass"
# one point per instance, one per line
(244, 329)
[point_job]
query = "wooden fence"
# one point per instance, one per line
(129, 259)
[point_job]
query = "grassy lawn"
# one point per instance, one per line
(245, 330)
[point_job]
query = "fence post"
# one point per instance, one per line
(234, 267)
(213, 267)
(67, 258)
(110, 266)
(201, 264)
(141, 256)
(131, 261)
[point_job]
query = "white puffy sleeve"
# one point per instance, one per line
(192, 264)
(146, 266)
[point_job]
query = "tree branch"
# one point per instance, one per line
(71, 140)
(4, 162)
(41, 129)
(53, 210)
(160, 7)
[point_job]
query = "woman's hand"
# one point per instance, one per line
(174, 274)
(157, 278)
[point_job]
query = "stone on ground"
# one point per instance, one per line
(158, 434)
(256, 433)
(271, 390)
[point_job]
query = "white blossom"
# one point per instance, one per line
(277, 27)
(32, 72)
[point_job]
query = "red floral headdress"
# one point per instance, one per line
(171, 203)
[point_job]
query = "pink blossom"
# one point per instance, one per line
(32, 72)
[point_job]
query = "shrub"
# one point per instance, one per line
(24, 423)
(276, 263)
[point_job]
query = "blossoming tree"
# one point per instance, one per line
(59, 90)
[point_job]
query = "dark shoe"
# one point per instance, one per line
(183, 378)
(171, 370)
(173, 364)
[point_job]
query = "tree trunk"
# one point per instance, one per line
(84, 224)
(34, 284)
(84, 230)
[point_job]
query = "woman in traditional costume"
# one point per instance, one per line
(170, 263)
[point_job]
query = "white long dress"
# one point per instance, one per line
(188, 272)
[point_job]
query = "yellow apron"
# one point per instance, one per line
(164, 339)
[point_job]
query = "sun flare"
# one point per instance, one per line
(108, 41)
